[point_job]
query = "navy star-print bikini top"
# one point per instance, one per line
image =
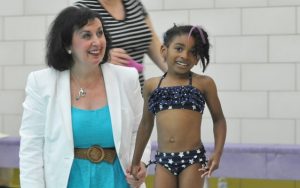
(176, 97)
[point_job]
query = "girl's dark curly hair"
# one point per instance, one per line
(61, 32)
(201, 40)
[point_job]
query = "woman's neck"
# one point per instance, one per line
(85, 75)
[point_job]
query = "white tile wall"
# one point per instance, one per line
(11, 102)
(11, 53)
(218, 21)
(298, 20)
(1, 27)
(187, 4)
(284, 105)
(255, 60)
(284, 2)
(298, 77)
(11, 7)
(1, 79)
(11, 124)
(152, 4)
(35, 52)
(284, 48)
(163, 20)
(244, 104)
(260, 131)
(241, 3)
(16, 77)
(298, 132)
(233, 131)
(24, 28)
(44, 7)
(269, 20)
(226, 76)
(268, 77)
(245, 49)
(1, 126)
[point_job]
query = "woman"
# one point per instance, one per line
(131, 31)
(80, 114)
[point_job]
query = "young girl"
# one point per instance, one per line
(177, 99)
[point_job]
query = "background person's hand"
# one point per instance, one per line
(118, 56)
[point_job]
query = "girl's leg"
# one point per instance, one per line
(164, 178)
(191, 177)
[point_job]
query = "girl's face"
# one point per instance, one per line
(181, 54)
(89, 44)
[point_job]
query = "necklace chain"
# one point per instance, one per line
(81, 92)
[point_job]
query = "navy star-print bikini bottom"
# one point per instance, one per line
(176, 162)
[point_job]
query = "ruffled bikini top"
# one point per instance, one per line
(176, 97)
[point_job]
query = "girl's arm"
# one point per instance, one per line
(144, 132)
(219, 123)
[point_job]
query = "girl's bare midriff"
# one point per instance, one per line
(178, 130)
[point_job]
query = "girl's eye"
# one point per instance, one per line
(194, 52)
(179, 49)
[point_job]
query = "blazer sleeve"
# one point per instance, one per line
(32, 137)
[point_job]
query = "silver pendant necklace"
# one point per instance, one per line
(81, 92)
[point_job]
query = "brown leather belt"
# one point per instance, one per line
(96, 154)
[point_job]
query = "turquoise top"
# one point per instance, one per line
(93, 127)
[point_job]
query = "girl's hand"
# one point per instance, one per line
(118, 56)
(213, 164)
(136, 175)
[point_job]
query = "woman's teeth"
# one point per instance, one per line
(94, 51)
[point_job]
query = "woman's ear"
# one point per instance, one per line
(163, 52)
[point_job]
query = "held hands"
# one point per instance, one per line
(213, 164)
(136, 175)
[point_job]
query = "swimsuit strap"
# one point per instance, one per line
(190, 78)
(163, 76)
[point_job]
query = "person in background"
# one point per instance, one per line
(177, 100)
(131, 31)
(81, 114)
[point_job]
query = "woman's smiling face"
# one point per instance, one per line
(89, 43)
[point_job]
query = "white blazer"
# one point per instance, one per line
(47, 147)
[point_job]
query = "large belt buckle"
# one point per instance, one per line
(95, 154)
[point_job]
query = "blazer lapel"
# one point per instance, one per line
(63, 90)
(114, 102)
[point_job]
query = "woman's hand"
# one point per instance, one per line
(136, 175)
(118, 56)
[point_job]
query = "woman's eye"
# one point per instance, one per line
(100, 33)
(86, 36)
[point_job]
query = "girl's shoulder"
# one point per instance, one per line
(152, 83)
(203, 82)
